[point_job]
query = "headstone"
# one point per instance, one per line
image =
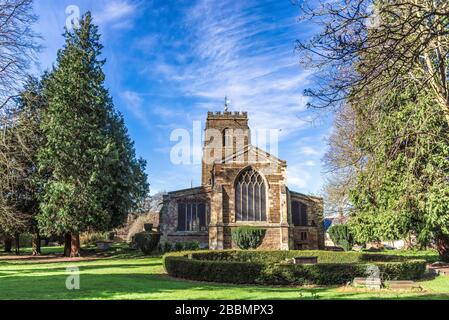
(403, 285)
(104, 245)
(306, 260)
(369, 283)
(373, 280)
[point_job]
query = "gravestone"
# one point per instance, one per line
(305, 260)
(403, 285)
(104, 245)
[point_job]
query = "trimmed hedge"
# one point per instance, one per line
(213, 271)
(271, 257)
(251, 267)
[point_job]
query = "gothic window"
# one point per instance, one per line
(299, 214)
(250, 197)
(191, 216)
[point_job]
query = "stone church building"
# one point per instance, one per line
(242, 185)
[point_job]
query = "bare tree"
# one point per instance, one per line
(364, 46)
(18, 45)
(343, 161)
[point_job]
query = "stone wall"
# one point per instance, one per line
(315, 229)
(235, 121)
(169, 216)
(223, 213)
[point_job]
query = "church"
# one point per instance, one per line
(242, 185)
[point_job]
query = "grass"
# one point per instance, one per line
(127, 275)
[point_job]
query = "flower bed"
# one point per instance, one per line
(270, 267)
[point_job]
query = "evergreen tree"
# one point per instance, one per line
(94, 178)
(403, 188)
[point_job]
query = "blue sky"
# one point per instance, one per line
(169, 62)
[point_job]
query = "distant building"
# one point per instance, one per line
(242, 185)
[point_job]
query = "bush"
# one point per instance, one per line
(168, 247)
(89, 238)
(263, 267)
(248, 238)
(179, 246)
(25, 240)
(146, 242)
(191, 245)
(341, 235)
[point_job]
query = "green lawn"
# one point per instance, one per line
(126, 276)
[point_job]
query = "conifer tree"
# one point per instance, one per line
(94, 177)
(402, 189)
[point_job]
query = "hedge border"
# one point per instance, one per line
(189, 265)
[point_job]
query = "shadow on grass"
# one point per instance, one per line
(82, 268)
(159, 286)
(121, 286)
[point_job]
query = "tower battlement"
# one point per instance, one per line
(227, 115)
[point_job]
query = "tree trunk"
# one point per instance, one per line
(36, 244)
(67, 244)
(17, 243)
(408, 243)
(442, 243)
(75, 245)
(8, 244)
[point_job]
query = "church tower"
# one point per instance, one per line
(225, 134)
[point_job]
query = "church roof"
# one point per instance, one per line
(250, 148)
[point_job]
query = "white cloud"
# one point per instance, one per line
(298, 177)
(165, 112)
(134, 103)
(231, 55)
(310, 151)
(117, 13)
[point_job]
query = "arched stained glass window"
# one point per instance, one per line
(250, 197)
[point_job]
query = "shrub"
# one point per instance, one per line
(179, 246)
(168, 247)
(341, 235)
(146, 241)
(263, 267)
(89, 238)
(191, 245)
(248, 237)
(25, 240)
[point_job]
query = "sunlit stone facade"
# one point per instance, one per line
(242, 185)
